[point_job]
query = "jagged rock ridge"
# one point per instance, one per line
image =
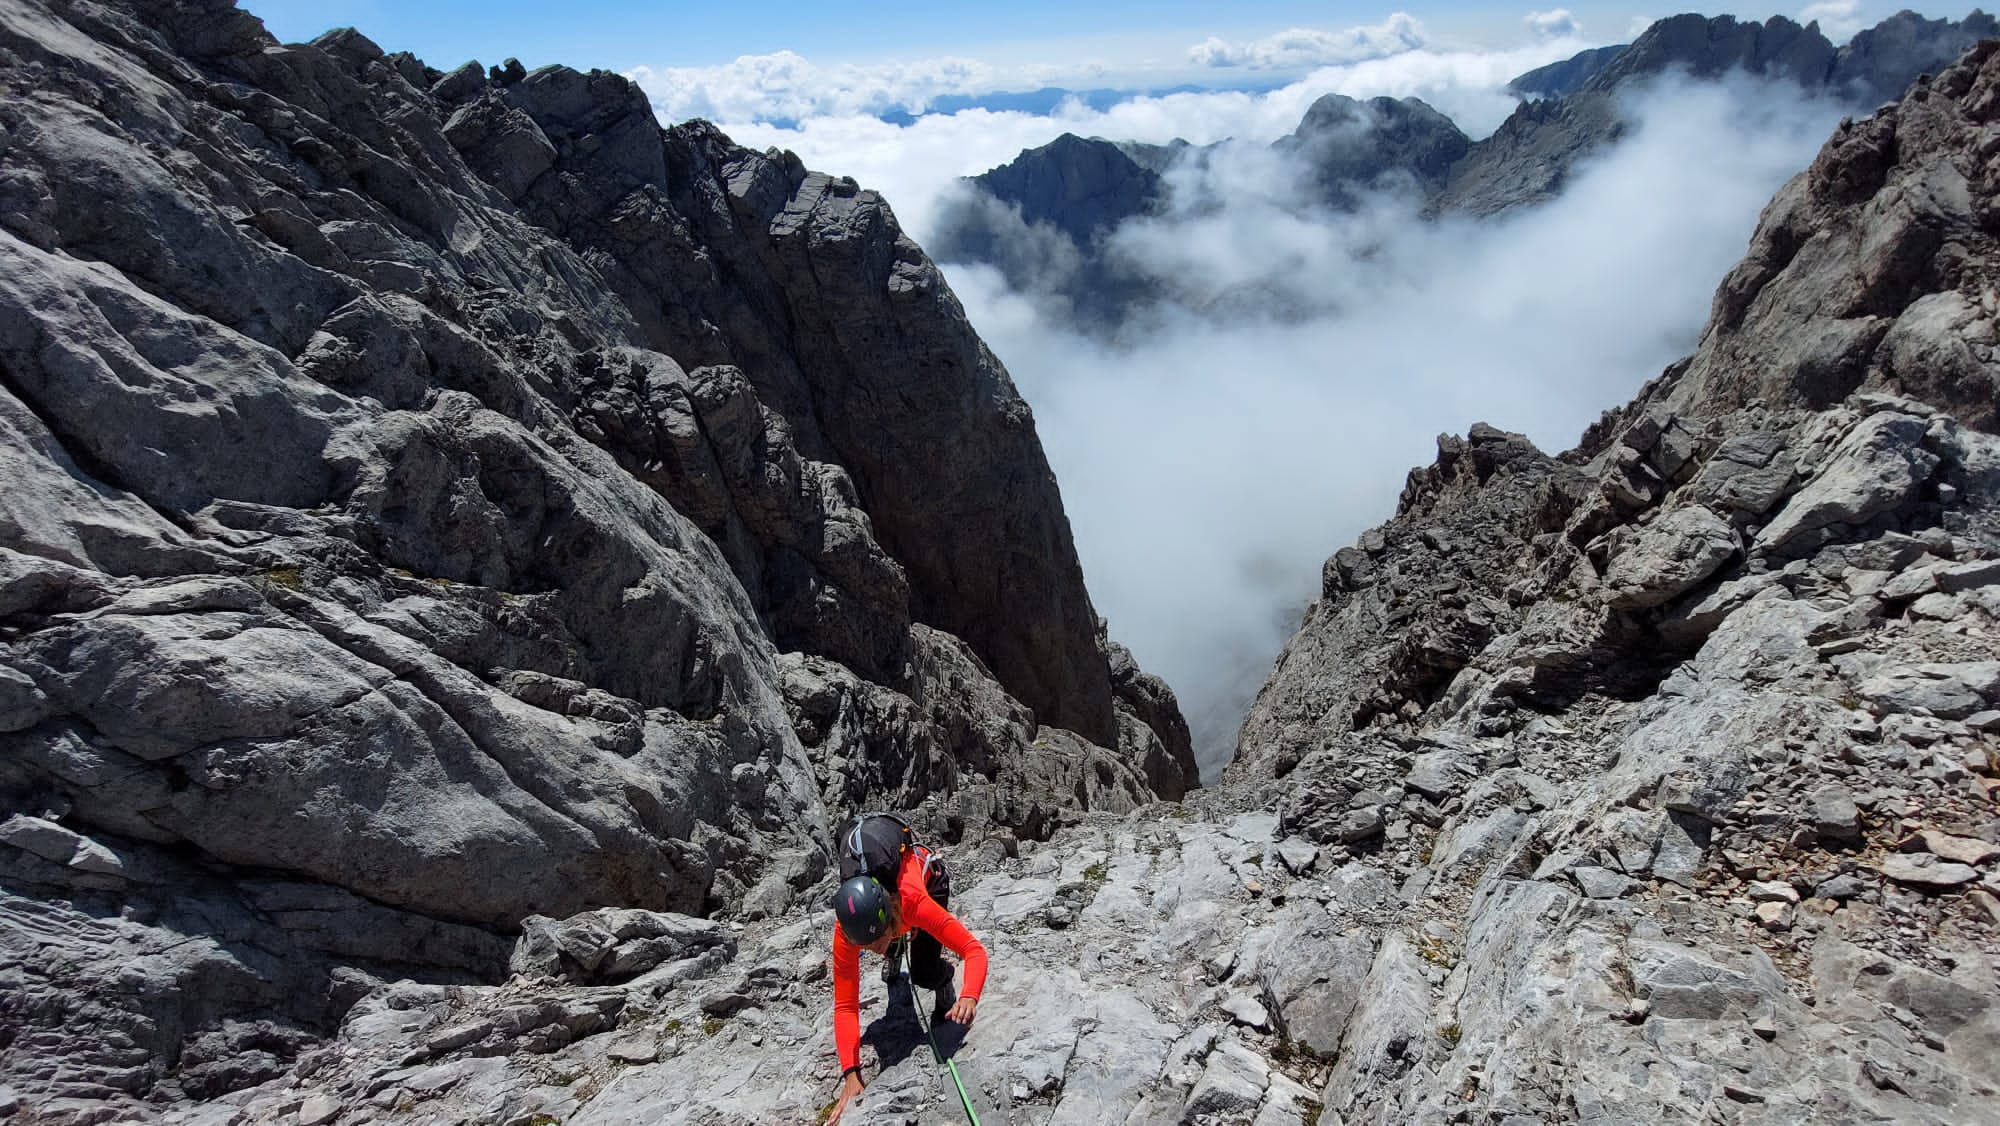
(1056, 241)
(441, 500)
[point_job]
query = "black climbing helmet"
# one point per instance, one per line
(864, 910)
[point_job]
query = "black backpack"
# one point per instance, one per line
(874, 845)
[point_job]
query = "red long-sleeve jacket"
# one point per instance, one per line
(919, 912)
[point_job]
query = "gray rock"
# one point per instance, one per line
(1299, 856)
(1833, 813)
(1946, 690)
(1926, 870)
(1600, 883)
(1878, 468)
(1668, 557)
(1245, 1008)
(1358, 825)
(1231, 1085)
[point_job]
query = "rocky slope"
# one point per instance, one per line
(1681, 746)
(440, 499)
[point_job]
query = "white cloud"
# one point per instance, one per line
(1302, 47)
(1557, 23)
(1838, 19)
(787, 86)
(1387, 58)
(912, 165)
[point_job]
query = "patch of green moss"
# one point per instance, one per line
(1436, 951)
(291, 578)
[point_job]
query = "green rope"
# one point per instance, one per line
(951, 1066)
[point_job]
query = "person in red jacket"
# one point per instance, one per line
(871, 917)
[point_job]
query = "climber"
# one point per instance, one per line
(894, 887)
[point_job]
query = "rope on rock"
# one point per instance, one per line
(951, 1066)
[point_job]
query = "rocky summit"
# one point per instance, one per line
(464, 546)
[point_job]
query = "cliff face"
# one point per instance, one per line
(1680, 746)
(437, 500)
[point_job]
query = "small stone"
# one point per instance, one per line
(724, 1004)
(1600, 883)
(1938, 607)
(1740, 1094)
(1765, 1026)
(1988, 720)
(318, 1110)
(1774, 891)
(1968, 576)
(1358, 825)
(633, 1049)
(1844, 886)
(1636, 1011)
(1297, 855)
(1986, 901)
(1020, 1092)
(1925, 870)
(1244, 1008)
(1964, 850)
(1833, 813)
(1058, 917)
(1774, 916)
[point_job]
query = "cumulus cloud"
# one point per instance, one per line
(787, 86)
(1557, 23)
(914, 164)
(1302, 47)
(1838, 19)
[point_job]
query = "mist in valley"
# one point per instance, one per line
(1297, 363)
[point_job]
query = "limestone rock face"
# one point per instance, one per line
(1858, 274)
(1351, 145)
(422, 493)
(1679, 740)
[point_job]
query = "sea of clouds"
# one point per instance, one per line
(1211, 463)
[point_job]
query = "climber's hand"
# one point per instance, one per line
(850, 1089)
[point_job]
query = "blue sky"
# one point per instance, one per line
(735, 62)
(619, 34)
